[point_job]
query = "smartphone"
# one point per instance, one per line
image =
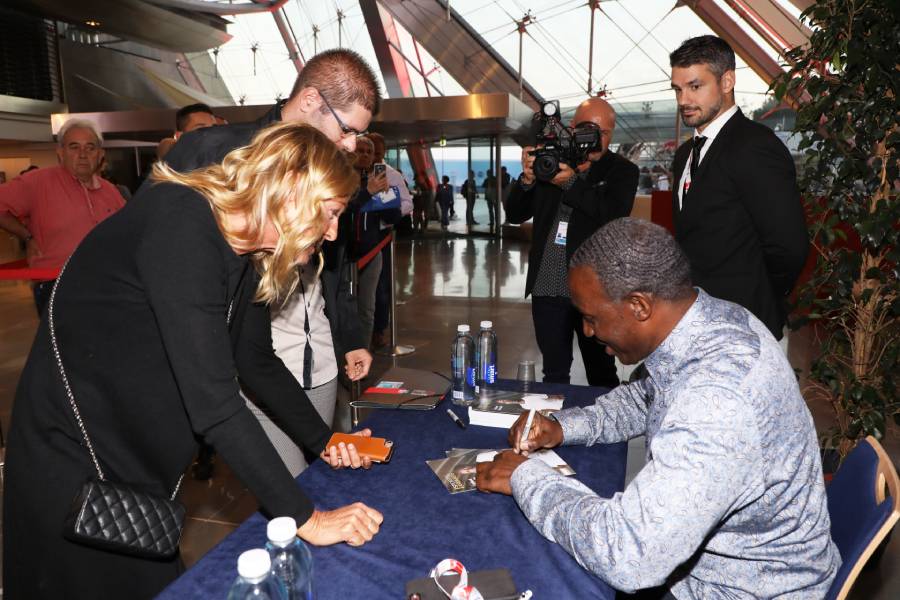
(378, 449)
(379, 168)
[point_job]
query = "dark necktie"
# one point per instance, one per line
(307, 347)
(697, 145)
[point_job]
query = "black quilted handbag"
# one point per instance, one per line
(116, 516)
(119, 518)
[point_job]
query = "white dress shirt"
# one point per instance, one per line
(289, 337)
(710, 132)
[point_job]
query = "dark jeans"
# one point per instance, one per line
(445, 213)
(492, 207)
(470, 209)
(41, 291)
(555, 321)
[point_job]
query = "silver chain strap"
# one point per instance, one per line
(71, 396)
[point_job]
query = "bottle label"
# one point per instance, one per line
(457, 395)
(491, 375)
(470, 376)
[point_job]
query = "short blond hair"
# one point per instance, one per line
(286, 165)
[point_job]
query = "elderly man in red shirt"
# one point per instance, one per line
(59, 204)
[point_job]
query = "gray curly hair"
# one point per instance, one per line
(79, 124)
(633, 255)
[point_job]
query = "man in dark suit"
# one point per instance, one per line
(736, 204)
(567, 210)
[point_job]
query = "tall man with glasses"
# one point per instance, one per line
(567, 210)
(318, 330)
(736, 204)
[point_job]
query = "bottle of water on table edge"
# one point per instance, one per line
(291, 559)
(486, 357)
(255, 580)
(462, 366)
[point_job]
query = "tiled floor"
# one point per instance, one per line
(442, 280)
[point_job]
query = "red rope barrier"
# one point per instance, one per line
(18, 270)
(362, 262)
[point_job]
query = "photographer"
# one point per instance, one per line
(567, 209)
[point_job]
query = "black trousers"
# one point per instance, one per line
(383, 293)
(555, 321)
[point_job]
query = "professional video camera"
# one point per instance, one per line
(558, 143)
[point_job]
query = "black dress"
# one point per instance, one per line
(140, 316)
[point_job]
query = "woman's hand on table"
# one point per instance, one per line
(344, 456)
(494, 476)
(355, 524)
(544, 433)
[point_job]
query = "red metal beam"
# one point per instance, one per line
(397, 82)
(288, 37)
(744, 45)
(781, 30)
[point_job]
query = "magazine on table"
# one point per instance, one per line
(456, 472)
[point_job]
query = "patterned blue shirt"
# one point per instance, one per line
(731, 502)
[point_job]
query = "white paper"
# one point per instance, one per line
(540, 402)
(551, 458)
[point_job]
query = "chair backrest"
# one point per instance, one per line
(861, 513)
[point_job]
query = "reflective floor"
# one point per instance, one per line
(442, 279)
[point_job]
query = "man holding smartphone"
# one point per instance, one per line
(369, 217)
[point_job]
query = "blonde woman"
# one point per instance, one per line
(157, 312)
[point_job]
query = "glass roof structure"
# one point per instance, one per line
(632, 40)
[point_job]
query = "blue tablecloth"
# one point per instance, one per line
(423, 523)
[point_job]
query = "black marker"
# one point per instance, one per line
(456, 419)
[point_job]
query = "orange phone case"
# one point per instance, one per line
(378, 449)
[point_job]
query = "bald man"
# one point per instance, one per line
(567, 210)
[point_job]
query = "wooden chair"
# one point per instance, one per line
(862, 514)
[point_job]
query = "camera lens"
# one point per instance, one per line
(545, 166)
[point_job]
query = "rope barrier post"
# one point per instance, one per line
(498, 186)
(395, 349)
(354, 385)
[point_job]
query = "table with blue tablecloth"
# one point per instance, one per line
(423, 522)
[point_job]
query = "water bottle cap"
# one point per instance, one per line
(282, 531)
(462, 328)
(253, 564)
(487, 324)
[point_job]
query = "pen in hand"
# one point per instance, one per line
(527, 429)
(456, 419)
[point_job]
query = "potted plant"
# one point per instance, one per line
(847, 85)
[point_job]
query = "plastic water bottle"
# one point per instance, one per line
(462, 365)
(291, 559)
(486, 357)
(254, 579)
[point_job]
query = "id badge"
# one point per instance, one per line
(561, 232)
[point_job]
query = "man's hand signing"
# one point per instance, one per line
(494, 476)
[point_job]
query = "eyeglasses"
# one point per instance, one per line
(345, 129)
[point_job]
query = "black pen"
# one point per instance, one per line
(456, 419)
